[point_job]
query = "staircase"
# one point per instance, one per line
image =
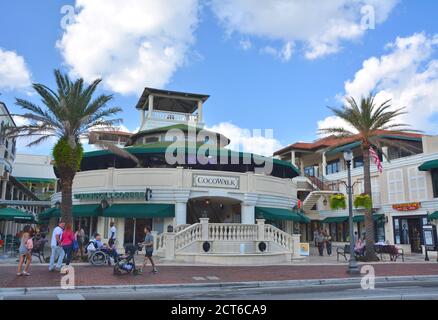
(322, 189)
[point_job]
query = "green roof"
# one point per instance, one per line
(343, 148)
(335, 219)
(35, 180)
(11, 214)
(280, 214)
(150, 210)
(429, 165)
(433, 216)
(161, 147)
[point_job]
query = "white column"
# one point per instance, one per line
(180, 213)
(261, 230)
(293, 157)
(200, 115)
(12, 192)
(385, 152)
(4, 185)
(204, 228)
(120, 234)
(296, 245)
(170, 246)
(151, 106)
(324, 164)
(248, 214)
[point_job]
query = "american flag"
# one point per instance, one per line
(375, 156)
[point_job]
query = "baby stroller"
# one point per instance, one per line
(126, 263)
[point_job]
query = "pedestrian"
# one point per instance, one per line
(328, 242)
(55, 245)
(67, 239)
(25, 251)
(320, 242)
(315, 234)
(149, 247)
(80, 237)
(112, 232)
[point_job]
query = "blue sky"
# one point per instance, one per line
(239, 62)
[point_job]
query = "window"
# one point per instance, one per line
(309, 171)
(151, 139)
(333, 167)
(434, 174)
(417, 184)
(358, 162)
(375, 190)
(395, 186)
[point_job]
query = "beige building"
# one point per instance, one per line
(404, 195)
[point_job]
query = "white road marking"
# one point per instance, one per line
(70, 296)
(198, 278)
(212, 278)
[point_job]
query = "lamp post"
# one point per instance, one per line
(352, 264)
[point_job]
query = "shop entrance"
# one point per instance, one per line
(134, 229)
(218, 210)
(409, 230)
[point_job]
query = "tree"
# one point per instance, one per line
(69, 113)
(368, 120)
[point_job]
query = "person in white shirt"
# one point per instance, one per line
(112, 234)
(57, 250)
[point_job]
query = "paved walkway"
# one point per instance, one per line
(87, 275)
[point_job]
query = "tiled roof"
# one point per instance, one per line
(333, 141)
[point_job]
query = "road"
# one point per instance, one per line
(399, 290)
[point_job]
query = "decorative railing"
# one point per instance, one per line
(181, 227)
(188, 236)
(174, 116)
(160, 241)
(283, 239)
(232, 232)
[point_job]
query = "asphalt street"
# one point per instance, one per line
(401, 290)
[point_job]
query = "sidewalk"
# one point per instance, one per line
(87, 275)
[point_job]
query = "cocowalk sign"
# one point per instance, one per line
(226, 182)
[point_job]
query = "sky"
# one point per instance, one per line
(272, 65)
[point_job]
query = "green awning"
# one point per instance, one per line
(429, 165)
(433, 216)
(335, 219)
(35, 180)
(83, 210)
(151, 210)
(304, 218)
(361, 218)
(11, 214)
(278, 214)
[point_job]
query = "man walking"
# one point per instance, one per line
(55, 245)
(112, 234)
(320, 242)
(149, 247)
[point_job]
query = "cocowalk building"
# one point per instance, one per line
(204, 202)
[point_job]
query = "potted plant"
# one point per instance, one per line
(363, 200)
(337, 201)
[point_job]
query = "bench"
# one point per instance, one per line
(343, 252)
(393, 252)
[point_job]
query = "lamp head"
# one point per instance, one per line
(348, 155)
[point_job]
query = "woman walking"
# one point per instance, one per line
(68, 236)
(25, 251)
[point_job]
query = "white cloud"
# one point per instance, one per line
(245, 44)
(407, 74)
(14, 74)
(284, 53)
(320, 25)
(255, 141)
(130, 44)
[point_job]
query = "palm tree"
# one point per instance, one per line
(69, 114)
(368, 120)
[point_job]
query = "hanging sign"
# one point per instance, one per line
(407, 206)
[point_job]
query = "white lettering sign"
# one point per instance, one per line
(216, 181)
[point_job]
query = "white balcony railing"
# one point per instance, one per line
(174, 116)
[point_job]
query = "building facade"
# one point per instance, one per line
(404, 196)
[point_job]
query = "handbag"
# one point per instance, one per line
(29, 244)
(75, 245)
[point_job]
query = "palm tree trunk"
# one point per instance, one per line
(369, 222)
(67, 195)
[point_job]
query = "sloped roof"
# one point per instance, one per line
(334, 141)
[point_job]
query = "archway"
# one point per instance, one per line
(217, 209)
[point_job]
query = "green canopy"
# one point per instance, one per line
(280, 214)
(335, 219)
(429, 165)
(361, 218)
(83, 210)
(433, 216)
(143, 210)
(11, 214)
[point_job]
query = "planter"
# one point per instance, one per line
(337, 202)
(363, 201)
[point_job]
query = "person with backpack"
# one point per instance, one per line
(25, 251)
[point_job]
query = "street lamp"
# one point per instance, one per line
(352, 264)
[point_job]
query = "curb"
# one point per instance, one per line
(225, 285)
